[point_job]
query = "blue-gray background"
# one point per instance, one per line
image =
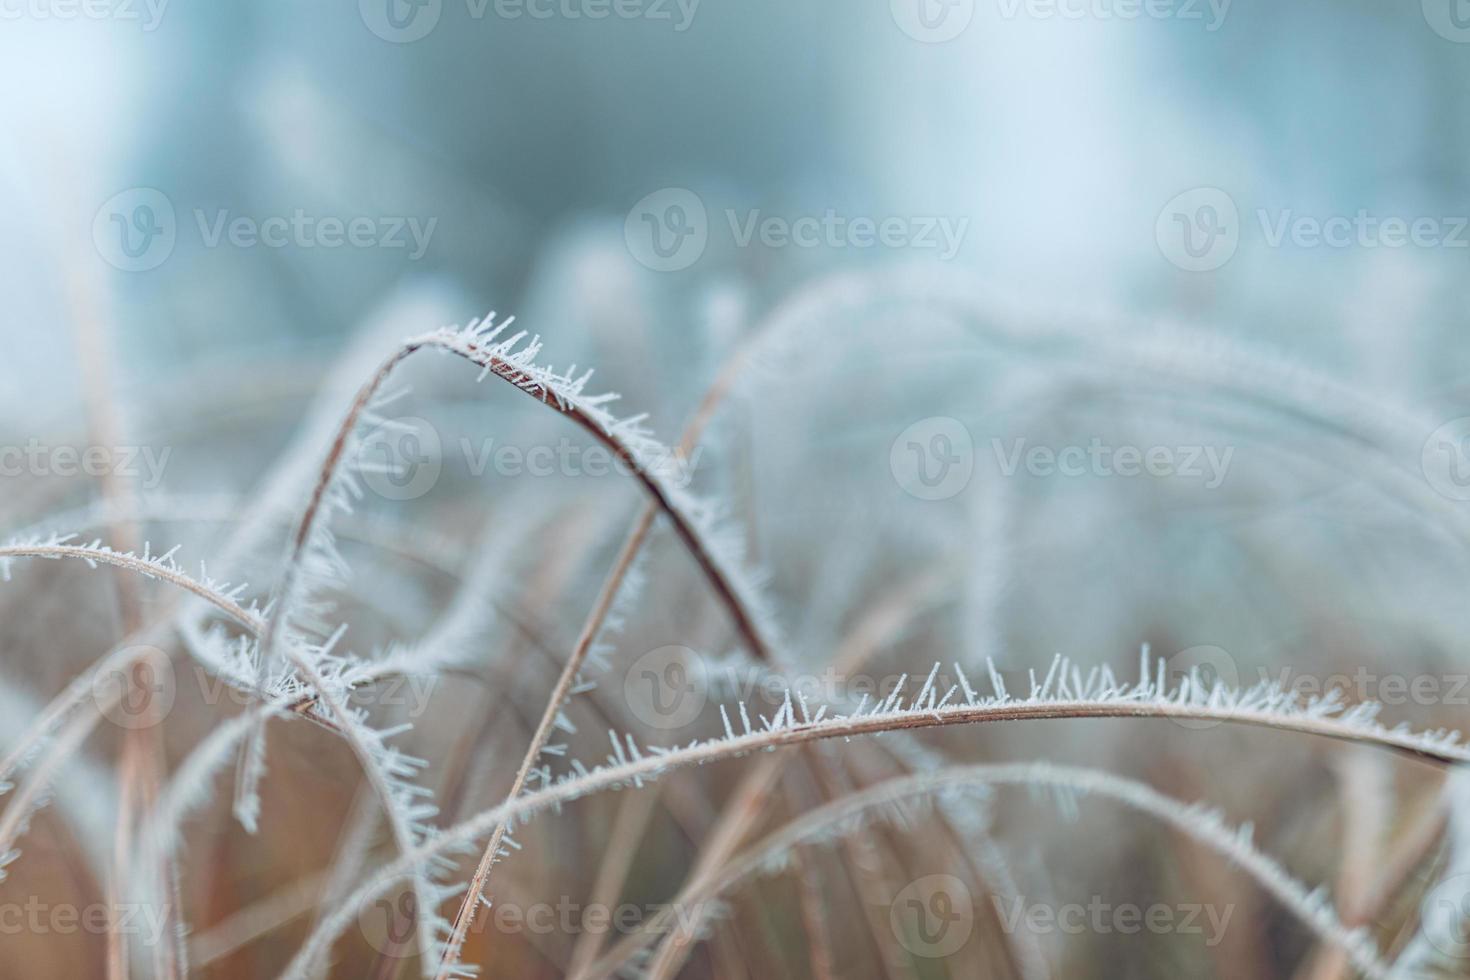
(1057, 135)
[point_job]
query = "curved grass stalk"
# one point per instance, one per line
(714, 396)
(1200, 824)
(387, 772)
(82, 795)
(50, 718)
(379, 767)
(161, 567)
(190, 785)
(1197, 365)
(464, 917)
(881, 622)
(1430, 948)
(30, 795)
(420, 545)
(1065, 693)
(511, 361)
(1194, 365)
(311, 552)
(653, 465)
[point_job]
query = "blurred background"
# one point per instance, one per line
(527, 130)
(1231, 232)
